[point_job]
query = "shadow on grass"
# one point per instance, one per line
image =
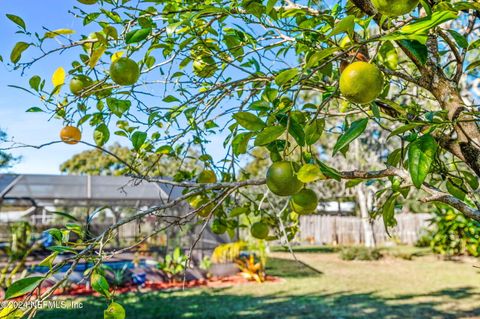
(215, 304)
(222, 303)
(287, 268)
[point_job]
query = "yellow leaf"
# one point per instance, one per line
(54, 33)
(116, 56)
(96, 55)
(10, 312)
(58, 77)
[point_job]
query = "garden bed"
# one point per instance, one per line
(83, 290)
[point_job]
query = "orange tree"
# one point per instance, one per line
(168, 75)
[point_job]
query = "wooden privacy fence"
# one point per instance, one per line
(342, 230)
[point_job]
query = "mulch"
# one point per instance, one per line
(214, 282)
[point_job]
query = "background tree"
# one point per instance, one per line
(171, 75)
(6, 159)
(120, 159)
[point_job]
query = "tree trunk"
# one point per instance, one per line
(363, 196)
(362, 200)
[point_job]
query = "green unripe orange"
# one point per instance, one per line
(114, 311)
(207, 176)
(124, 71)
(304, 202)
(79, 83)
(218, 227)
(204, 67)
(205, 212)
(395, 8)
(259, 230)
(282, 178)
(361, 82)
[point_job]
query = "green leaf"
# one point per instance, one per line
(62, 249)
(471, 179)
(35, 82)
(34, 109)
(18, 50)
(459, 38)
(285, 76)
(249, 121)
(455, 190)
(114, 311)
(23, 286)
(354, 131)
(421, 154)
(138, 138)
(417, 49)
(234, 45)
(48, 261)
(353, 183)
(118, 107)
(403, 129)
(240, 143)
(313, 131)
(319, 56)
(329, 171)
(136, 36)
(425, 24)
(473, 66)
(101, 135)
(347, 25)
(170, 98)
(17, 20)
(310, 173)
(388, 211)
(269, 134)
(99, 284)
(237, 211)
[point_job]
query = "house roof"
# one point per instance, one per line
(75, 190)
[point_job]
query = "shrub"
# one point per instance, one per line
(360, 253)
(424, 241)
(174, 264)
(454, 233)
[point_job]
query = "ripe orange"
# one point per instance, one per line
(124, 71)
(70, 134)
(79, 83)
(304, 202)
(88, 1)
(395, 8)
(204, 67)
(361, 82)
(259, 230)
(207, 176)
(282, 179)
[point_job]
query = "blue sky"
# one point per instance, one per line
(32, 128)
(36, 128)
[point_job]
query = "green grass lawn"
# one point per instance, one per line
(424, 287)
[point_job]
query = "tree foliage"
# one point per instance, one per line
(6, 159)
(120, 160)
(265, 74)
